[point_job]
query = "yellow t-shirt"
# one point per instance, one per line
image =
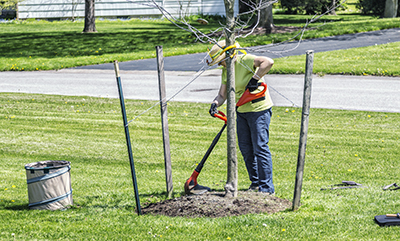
(244, 71)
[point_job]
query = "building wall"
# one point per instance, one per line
(48, 9)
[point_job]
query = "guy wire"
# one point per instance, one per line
(198, 73)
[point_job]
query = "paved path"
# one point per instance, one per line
(190, 62)
(336, 92)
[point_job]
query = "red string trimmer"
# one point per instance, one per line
(191, 185)
(254, 96)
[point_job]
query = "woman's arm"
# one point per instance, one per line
(264, 65)
(221, 97)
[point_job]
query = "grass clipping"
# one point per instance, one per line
(214, 204)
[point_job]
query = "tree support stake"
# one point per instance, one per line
(304, 128)
(128, 138)
(164, 121)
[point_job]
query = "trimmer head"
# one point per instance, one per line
(197, 189)
(192, 187)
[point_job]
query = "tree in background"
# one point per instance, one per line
(9, 5)
(391, 9)
(307, 6)
(266, 18)
(377, 7)
(75, 4)
(90, 20)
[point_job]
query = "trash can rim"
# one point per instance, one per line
(31, 166)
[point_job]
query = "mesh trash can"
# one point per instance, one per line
(49, 185)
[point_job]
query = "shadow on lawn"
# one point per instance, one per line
(64, 44)
(18, 207)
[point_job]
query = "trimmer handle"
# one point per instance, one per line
(221, 115)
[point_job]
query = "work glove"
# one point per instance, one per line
(213, 109)
(252, 85)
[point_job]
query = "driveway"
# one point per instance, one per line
(332, 91)
(140, 80)
(190, 62)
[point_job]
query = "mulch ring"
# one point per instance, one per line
(214, 204)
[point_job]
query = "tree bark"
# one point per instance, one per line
(390, 9)
(232, 175)
(267, 19)
(90, 24)
(333, 12)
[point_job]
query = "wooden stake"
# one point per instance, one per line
(304, 128)
(164, 121)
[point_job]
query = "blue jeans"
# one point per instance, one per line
(253, 138)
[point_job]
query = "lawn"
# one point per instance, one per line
(342, 145)
(380, 60)
(41, 45)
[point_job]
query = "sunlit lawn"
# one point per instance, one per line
(42, 45)
(342, 145)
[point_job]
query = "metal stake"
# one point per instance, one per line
(128, 138)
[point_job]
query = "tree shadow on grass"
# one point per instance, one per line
(64, 44)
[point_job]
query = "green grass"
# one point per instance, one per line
(381, 60)
(41, 45)
(88, 132)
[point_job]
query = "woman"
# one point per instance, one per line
(253, 117)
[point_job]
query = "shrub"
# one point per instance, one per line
(307, 6)
(373, 7)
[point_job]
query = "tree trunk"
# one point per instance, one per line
(90, 25)
(333, 12)
(267, 19)
(390, 9)
(232, 175)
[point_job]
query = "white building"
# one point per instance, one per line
(66, 9)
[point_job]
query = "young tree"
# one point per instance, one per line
(90, 24)
(231, 184)
(233, 29)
